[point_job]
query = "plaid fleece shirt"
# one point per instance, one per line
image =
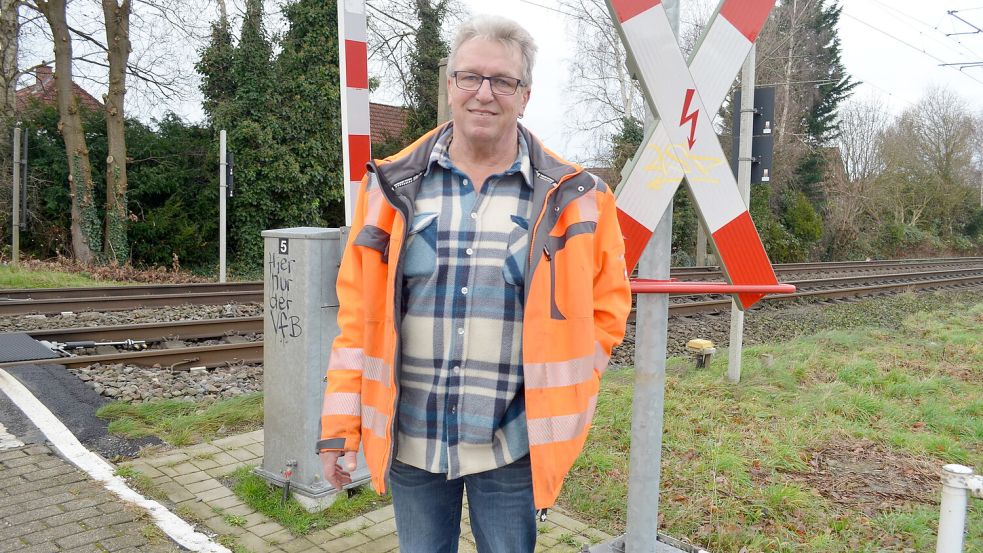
(462, 406)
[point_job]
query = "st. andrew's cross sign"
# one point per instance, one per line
(683, 144)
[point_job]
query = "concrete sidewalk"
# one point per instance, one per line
(47, 505)
(191, 479)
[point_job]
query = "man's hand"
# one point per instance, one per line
(334, 474)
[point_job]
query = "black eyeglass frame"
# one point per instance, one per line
(491, 84)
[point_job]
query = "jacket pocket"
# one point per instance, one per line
(421, 247)
(514, 268)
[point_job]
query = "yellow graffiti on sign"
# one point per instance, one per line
(673, 161)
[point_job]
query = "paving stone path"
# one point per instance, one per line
(191, 480)
(47, 506)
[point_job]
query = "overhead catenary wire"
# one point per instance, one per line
(906, 43)
(940, 38)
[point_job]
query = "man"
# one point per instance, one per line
(482, 290)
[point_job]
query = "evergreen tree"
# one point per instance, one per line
(215, 68)
(310, 113)
(835, 84)
(429, 48)
(625, 143)
(262, 165)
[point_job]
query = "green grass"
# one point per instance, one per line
(11, 277)
(739, 465)
(181, 422)
(267, 499)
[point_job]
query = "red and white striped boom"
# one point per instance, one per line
(353, 66)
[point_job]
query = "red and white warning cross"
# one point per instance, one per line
(353, 65)
(684, 143)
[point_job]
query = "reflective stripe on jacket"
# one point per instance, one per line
(577, 303)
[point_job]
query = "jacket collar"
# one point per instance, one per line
(403, 170)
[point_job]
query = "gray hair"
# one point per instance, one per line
(502, 29)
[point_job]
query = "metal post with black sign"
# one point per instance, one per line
(762, 135)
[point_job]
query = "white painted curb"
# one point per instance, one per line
(73, 450)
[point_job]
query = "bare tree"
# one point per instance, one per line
(602, 90)
(929, 180)
(862, 122)
(117, 17)
(392, 28)
(9, 27)
(850, 185)
(86, 230)
(600, 87)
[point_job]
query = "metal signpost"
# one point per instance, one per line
(682, 145)
(15, 184)
(222, 192)
(736, 342)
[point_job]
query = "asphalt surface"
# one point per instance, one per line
(74, 403)
(16, 423)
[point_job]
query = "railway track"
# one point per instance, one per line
(909, 276)
(48, 301)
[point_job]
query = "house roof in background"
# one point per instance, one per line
(43, 90)
(386, 121)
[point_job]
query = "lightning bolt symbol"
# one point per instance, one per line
(690, 117)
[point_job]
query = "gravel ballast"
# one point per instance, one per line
(772, 322)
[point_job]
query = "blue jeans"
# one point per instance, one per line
(428, 509)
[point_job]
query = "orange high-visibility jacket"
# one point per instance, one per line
(577, 303)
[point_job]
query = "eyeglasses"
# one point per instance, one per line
(503, 86)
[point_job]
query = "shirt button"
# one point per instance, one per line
(469, 251)
(453, 409)
(474, 215)
(457, 368)
(464, 290)
(460, 331)
(464, 182)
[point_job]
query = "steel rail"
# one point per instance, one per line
(120, 303)
(709, 306)
(824, 283)
(867, 266)
(154, 332)
(181, 358)
(127, 290)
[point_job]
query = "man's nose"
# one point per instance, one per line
(485, 90)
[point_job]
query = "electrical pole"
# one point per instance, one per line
(744, 185)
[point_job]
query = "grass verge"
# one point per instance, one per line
(18, 277)
(182, 422)
(834, 446)
(265, 498)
